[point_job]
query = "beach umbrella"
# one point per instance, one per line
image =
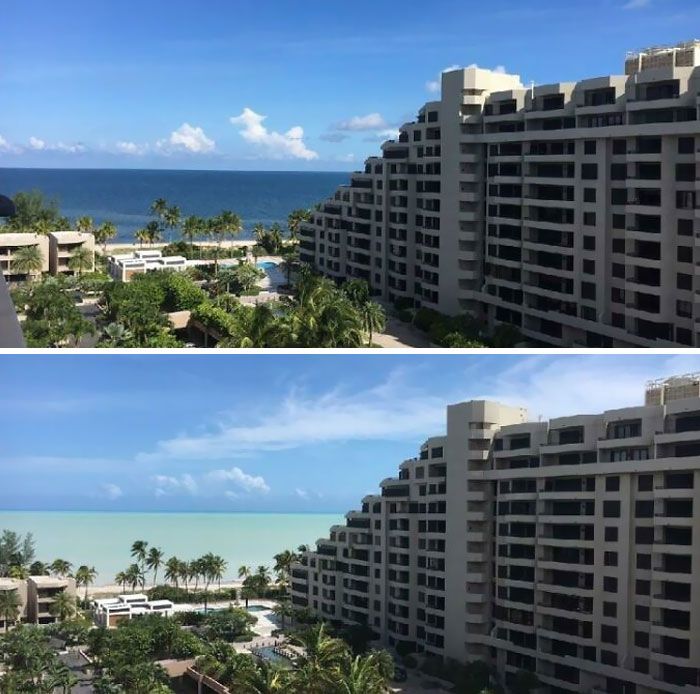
(7, 207)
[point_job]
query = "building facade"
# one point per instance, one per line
(568, 210)
(565, 547)
(123, 267)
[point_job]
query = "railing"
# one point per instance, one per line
(10, 331)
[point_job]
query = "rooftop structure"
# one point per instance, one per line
(124, 267)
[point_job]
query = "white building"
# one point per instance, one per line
(569, 548)
(109, 612)
(569, 210)
(124, 267)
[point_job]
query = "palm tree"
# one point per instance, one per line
(153, 232)
(171, 217)
(259, 233)
(134, 577)
(283, 610)
(154, 561)
(63, 606)
(28, 260)
(122, 579)
(265, 678)
(275, 238)
(84, 225)
(81, 259)
(284, 561)
(248, 590)
(294, 221)
(192, 228)
(373, 318)
(172, 571)
(321, 659)
(85, 576)
(185, 573)
(138, 551)
(158, 207)
(219, 565)
(363, 675)
(225, 225)
(38, 568)
(104, 233)
(244, 572)
(60, 567)
(141, 236)
(9, 606)
(19, 572)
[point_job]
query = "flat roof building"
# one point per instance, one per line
(567, 547)
(569, 210)
(109, 612)
(62, 247)
(41, 594)
(124, 267)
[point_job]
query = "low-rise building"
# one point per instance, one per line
(62, 247)
(111, 611)
(20, 587)
(11, 243)
(41, 595)
(123, 267)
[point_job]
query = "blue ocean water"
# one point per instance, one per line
(103, 539)
(124, 196)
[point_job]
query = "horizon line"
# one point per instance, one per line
(124, 168)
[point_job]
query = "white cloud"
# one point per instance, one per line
(165, 484)
(40, 145)
(125, 147)
(382, 135)
(187, 138)
(433, 86)
(636, 4)
(301, 493)
(111, 491)
(289, 145)
(249, 483)
(232, 495)
(8, 147)
(372, 121)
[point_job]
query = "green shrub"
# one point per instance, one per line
(425, 318)
(180, 595)
(405, 316)
(402, 303)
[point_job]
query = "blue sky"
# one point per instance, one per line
(285, 433)
(176, 84)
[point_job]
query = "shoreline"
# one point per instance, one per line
(110, 589)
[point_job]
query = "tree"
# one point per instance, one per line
(134, 576)
(104, 233)
(373, 318)
(218, 566)
(39, 568)
(320, 660)
(295, 220)
(244, 571)
(524, 682)
(63, 606)
(153, 233)
(85, 225)
(284, 561)
(34, 213)
(85, 576)
(122, 579)
(193, 227)
(81, 260)
(225, 225)
(28, 260)
(154, 561)
(60, 567)
(172, 571)
(141, 235)
(9, 607)
(171, 217)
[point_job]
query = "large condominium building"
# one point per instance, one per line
(568, 209)
(568, 547)
(35, 596)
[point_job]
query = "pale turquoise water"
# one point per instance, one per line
(103, 540)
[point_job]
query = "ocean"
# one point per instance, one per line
(103, 539)
(124, 196)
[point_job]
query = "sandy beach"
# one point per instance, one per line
(115, 589)
(135, 245)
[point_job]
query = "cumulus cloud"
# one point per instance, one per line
(111, 491)
(8, 147)
(433, 86)
(249, 483)
(382, 135)
(187, 138)
(125, 147)
(165, 484)
(39, 145)
(289, 145)
(372, 121)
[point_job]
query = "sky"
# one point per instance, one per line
(264, 433)
(278, 84)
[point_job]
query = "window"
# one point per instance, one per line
(610, 584)
(644, 536)
(641, 613)
(612, 484)
(589, 243)
(618, 222)
(589, 147)
(588, 291)
(644, 561)
(645, 483)
(589, 219)
(619, 147)
(684, 281)
(641, 665)
(686, 145)
(589, 266)
(618, 270)
(589, 172)
(611, 509)
(589, 195)
(642, 587)
(644, 509)
(611, 533)
(610, 558)
(608, 633)
(610, 609)
(641, 639)
(685, 227)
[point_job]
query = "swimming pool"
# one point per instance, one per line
(266, 265)
(268, 653)
(256, 608)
